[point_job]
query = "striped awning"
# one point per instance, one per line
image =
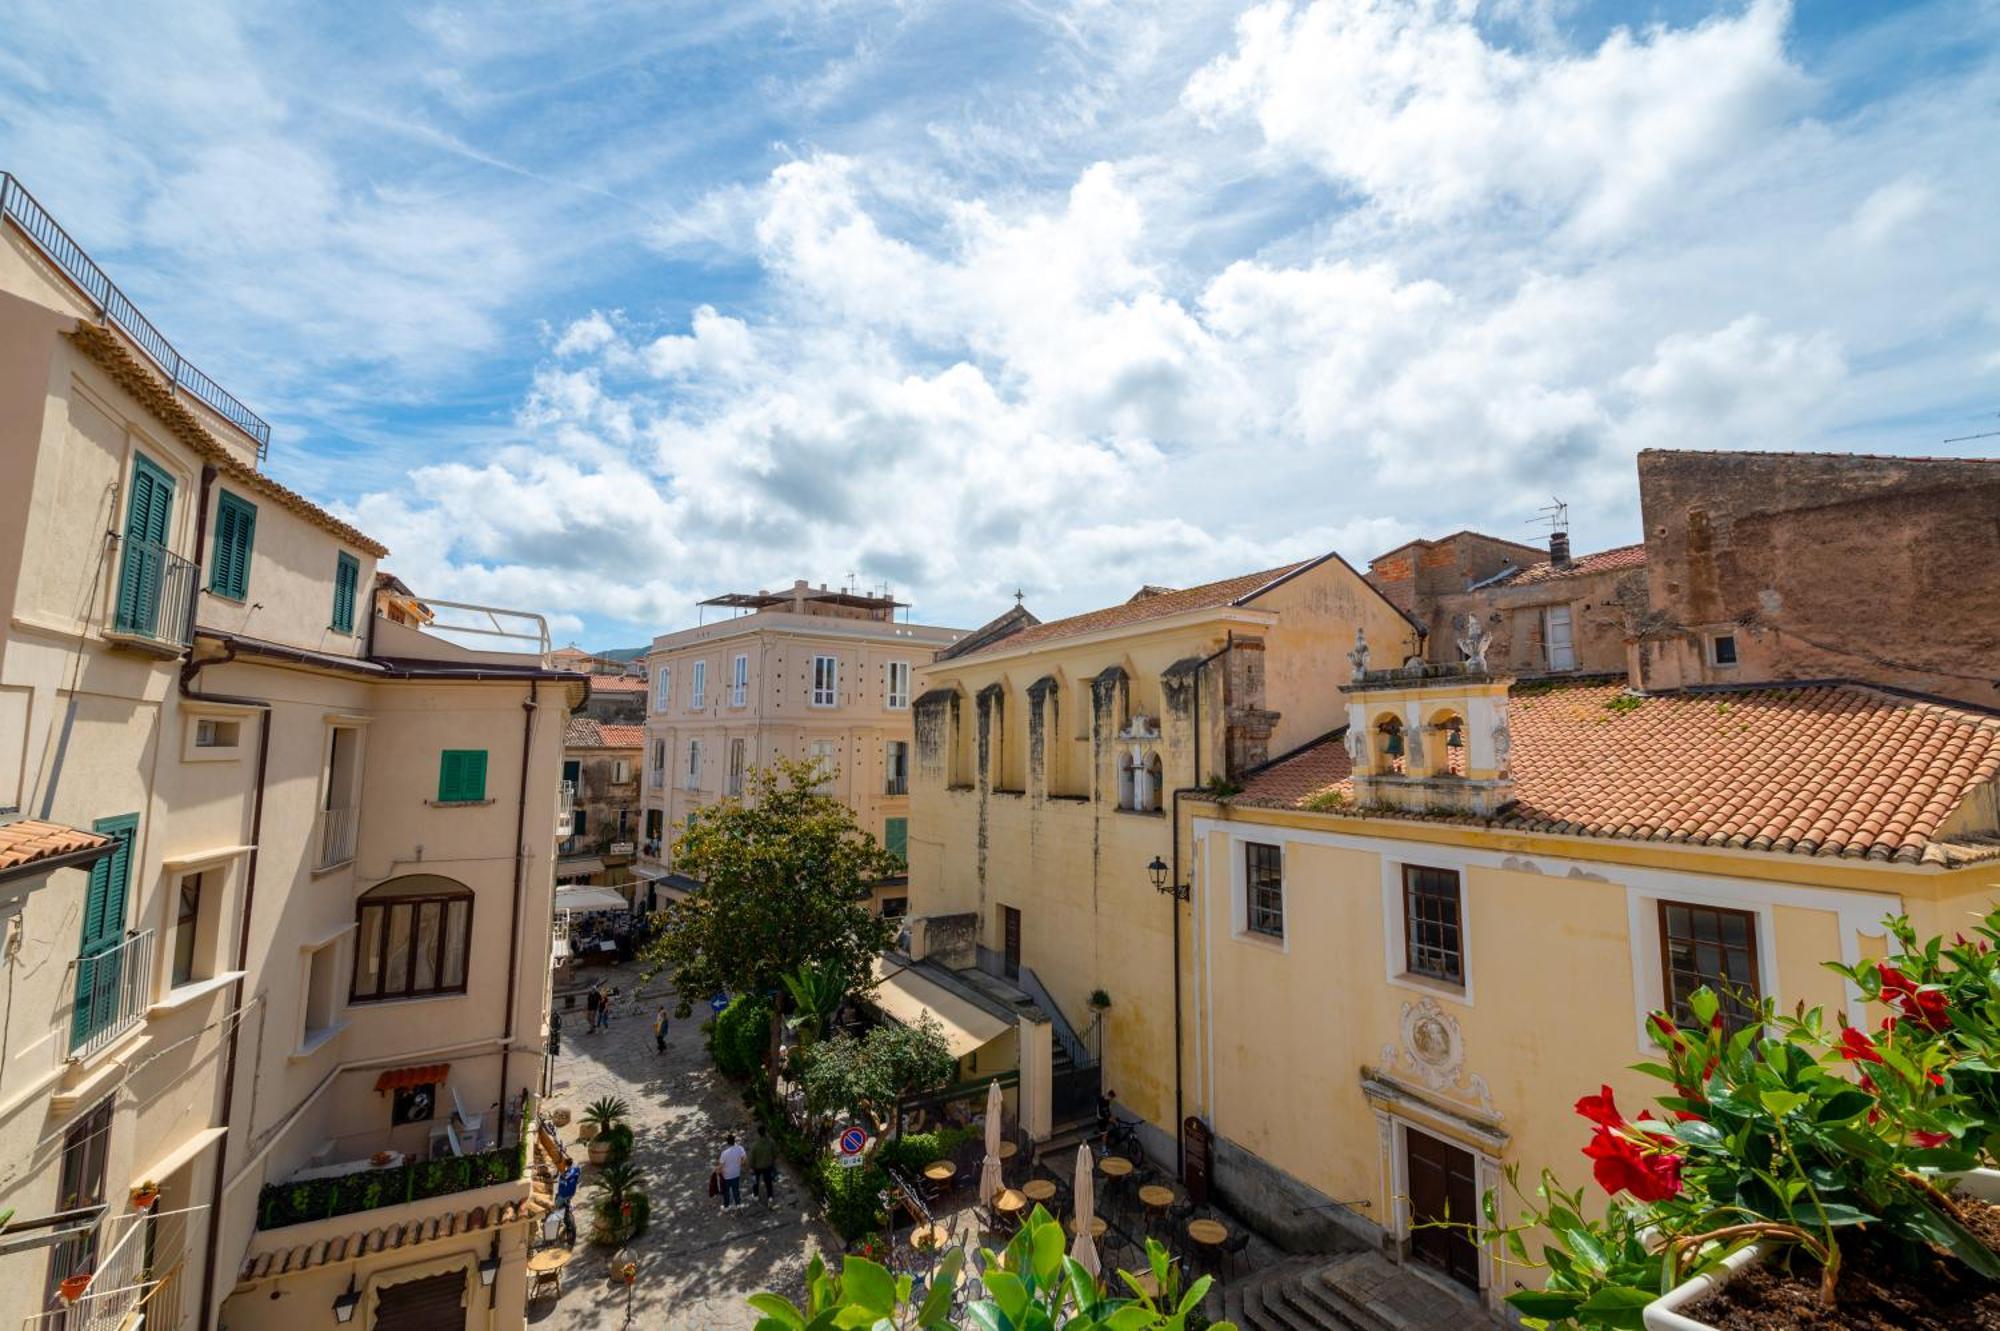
(395, 1079)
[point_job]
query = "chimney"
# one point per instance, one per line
(1559, 548)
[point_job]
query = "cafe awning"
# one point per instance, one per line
(395, 1079)
(906, 996)
(589, 898)
(580, 864)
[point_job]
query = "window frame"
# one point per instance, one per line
(892, 698)
(739, 680)
(1411, 970)
(698, 686)
(896, 837)
(1255, 882)
(1549, 637)
(739, 761)
(235, 539)
(896, 767)
(830, 695)
(346, 591)
(663, 688)
(1715, 641)
(692, 774)
(1749, 948)
(364, 939)
(450, 792)
(186, 931)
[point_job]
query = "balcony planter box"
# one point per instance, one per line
(1664, 1313)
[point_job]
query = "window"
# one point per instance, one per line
(1713, 946)
(737, 752)
(85, 1153)
(823, 754)
(621, 771)
(346, 584)
(143, 561)
(694, 765)
(656, 773)
(895, 908)
(825, 681)
(663, 687)
(739, 681)
(899, 685)
(1722, 649)
(321, 1021)
(1433, 938)
(229, 566)
(212, 734)
(462, 776)
(1558, 637)
(101, 955)
(1264, 888)
(896, 837)
(698, 685)
(896, 767)
(414, 940)
(340, 808)
(187, 924)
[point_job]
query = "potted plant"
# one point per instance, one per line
(72, 1286)
(599, 1118)
(620, 1207)
(381, 1159)
(145, 1195)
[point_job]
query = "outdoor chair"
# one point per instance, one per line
(1233, 1249)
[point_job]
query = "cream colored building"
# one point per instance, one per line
(1051, 762)
(805, 673)
(265, 1061)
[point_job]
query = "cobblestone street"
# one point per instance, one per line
(697, 1262)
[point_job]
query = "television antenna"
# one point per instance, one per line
(1554, 514)
(1983, 434)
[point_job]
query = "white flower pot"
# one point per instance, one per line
(1663, 1313)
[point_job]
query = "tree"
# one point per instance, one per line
(786, 877)
(868, 1076)
(817, 991)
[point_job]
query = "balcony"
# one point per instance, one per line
(336, 835)
(112, 989)
(155, 598)
(303, 1201)
(565, 811)
(137, 1276)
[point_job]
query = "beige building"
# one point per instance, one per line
(266, 1058)
(805, 673)
(1051, 762)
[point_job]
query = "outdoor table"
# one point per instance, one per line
(1208, 1233)
(1115, 1166)
(1097, 1226)
(1157, 1196)
(1008, 1150)
(940, 1171)
(1147, 1285)
(1038, 1190)
(933, 1237)
(545, 1270)
(1009, 1201)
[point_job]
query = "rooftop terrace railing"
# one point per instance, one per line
(20, 207)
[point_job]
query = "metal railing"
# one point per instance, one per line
(337, 828)
(140, 1270)
(55, 243)
(565, 810)
(112, 989)
(155, 594)
(489, 621)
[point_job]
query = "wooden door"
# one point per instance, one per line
(1443, 1187)
(1010, 931)
(423, 1305)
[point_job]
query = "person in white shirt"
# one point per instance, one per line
(731, 1165)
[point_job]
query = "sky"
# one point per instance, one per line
(598, 308)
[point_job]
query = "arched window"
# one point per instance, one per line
(1128, 784)
(1389, 744)
(1447, 744)
(415, 938)
(1155, 782)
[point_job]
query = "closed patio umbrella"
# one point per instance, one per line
(1084, 1249)
(990, 1181)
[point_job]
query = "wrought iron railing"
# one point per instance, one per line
(337, 828)
(565, 810)
(299, 1203)
(133, 1264)
(112, 989)
(155, 594)
(54, 242)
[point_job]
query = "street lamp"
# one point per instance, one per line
(1159, 871)
(1162, 877)
(489, 1265)
(345, 1304)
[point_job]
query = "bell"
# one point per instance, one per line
(1454, 738)
(1395, 749)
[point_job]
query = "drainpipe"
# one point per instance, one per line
(192, 667)
(1175, 887)
(528, 709)
(200, 548)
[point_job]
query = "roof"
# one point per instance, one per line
(906, 996)
(585, 732)
(1003, 625)
(1429, 541)
(1156, 605)
(1806, 769)
(105, 347)
(617, 684)
(30, 843)
(1615, 560)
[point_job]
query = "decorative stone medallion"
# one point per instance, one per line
(1432, 1044)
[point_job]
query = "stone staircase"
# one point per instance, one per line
(1360, 1291)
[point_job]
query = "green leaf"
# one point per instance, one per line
(867, 1285)
(1192, 1299)
(1048, 1250)
(1843, 1105)
(985, 1317)
(1781, 1103)
(1698, 1132)
(1547, 1303)
(944, 1280)
(779, 1310)
(1132, 1317)
(1703, 1004)
(1620, 1307)
(1009, 1292)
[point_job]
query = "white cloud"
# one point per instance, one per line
(1890, 209)
(593, 332)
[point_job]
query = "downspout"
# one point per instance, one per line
(189, 670)
(1180, 1111)
(528, 709)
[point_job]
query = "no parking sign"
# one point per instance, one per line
(850, 1146)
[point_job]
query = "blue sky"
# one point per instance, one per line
(600, 308)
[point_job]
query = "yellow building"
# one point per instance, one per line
(1050, 762)
(805, 673)
(266, 1055)
(1417, 942)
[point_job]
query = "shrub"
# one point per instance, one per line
(851, 1203)
(913, 1150)
(742, 1034)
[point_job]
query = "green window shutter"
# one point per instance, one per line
(896, 837)
(147, 514)
(462, 776)
(97, 981)
(346, 581)
(235, 533)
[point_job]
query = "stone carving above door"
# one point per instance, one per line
(1433, 1050)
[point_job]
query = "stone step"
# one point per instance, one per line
(1375, 1294)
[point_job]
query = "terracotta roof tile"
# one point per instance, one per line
(29, 841)
(617, 684)
(586, 732)
(1615, 559)
(622, 737)
(581, 733)
(1147, 606)
(1810, 769)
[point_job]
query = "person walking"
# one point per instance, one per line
(764, 1164)
(604, 1009)
(731, 1165)
(660, 1030)
(593, 999)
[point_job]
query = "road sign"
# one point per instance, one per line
(852, 1141)
(718, 1002)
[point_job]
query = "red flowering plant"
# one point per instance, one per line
(1768, 1134)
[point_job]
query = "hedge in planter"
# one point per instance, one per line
(742, 1034)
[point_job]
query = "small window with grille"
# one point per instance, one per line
(1712, 946)
(1264, 880)
(1433, 931)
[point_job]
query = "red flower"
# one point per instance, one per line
(1620, 1165)
(1930, 1141)
(1601, 1109)
(1856, 1047)
(1924, 1005)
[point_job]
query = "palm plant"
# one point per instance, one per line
(604, 1112)
(620, 1207)
(818, 988)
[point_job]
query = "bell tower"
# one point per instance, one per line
(1429, 738)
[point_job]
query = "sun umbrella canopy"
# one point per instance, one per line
(990, 1180)
(1083, 1249)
